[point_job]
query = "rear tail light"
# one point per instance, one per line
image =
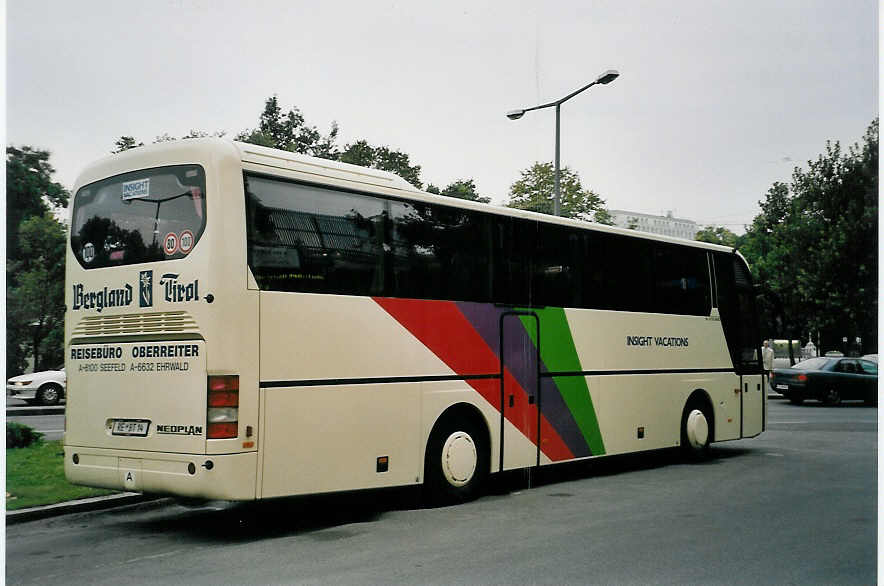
(224, 382)
(222, 414)
(802, 377)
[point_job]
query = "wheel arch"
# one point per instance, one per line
(457, 476)
(459, 412)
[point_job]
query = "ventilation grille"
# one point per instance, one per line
(166, 322)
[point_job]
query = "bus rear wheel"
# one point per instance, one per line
(456, 462)
(696, 429)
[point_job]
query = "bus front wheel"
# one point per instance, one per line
(456, 461)
(696, 429)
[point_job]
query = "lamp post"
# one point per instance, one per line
(605, 78)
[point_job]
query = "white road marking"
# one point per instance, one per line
(150, 557)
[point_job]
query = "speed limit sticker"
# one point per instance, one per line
(170, 243)
(186, 241)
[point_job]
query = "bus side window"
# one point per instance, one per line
(623, 272)
(554, 274)
(681, 280)
(512, 274)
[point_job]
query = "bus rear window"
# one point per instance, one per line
(141, 216)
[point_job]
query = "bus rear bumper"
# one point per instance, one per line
(215, 476)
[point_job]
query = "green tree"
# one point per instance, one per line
(34, 259)
(124, 143)
(35, 310)
(17, 335)
(603, 216)
(165, 137)
(384, 158)
(201, 134)
(461, 189)
(290, 132)
(717, 235)
(773, 254)
(815, 244)
(534, 191)
(30, 191)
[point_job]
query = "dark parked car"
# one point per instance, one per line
(828, 379)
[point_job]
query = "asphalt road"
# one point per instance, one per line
(796, 505)
(51, 426)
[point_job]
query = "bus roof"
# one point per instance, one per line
(323, 170)
(321, 167)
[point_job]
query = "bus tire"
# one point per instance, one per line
(48, 394)
(696, 429)
(457, 460)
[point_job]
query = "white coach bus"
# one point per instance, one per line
(246, 323)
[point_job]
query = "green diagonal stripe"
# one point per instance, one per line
(560, 355)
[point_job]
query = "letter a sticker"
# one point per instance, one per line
(170, 243)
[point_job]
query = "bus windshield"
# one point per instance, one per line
(142, 216)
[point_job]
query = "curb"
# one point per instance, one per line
(22, 411)
(78, 506)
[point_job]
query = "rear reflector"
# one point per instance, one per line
(222, 401)
(221, 430)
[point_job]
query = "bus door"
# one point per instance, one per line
(520, 390)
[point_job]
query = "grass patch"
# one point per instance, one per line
(35, 476)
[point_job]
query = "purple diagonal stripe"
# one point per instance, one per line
(485, 318)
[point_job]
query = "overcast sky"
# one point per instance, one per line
(715, 102)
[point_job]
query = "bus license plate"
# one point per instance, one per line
(783, 387)
(130, 427)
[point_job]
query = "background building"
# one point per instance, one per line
(665, 225)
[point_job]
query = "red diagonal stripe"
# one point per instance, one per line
(442, 328)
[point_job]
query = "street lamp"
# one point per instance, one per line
(605, 78)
